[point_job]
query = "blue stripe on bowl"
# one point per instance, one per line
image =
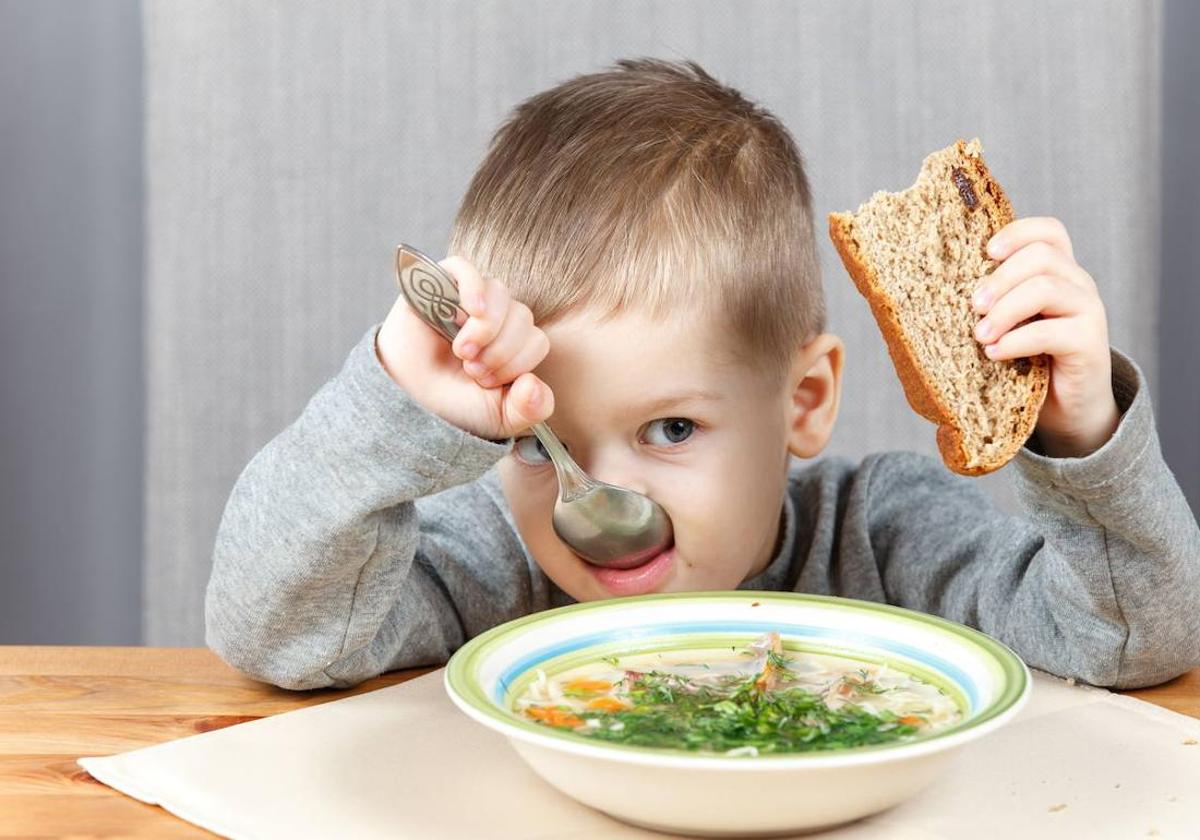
(872, 643)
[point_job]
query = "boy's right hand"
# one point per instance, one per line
(483, 383)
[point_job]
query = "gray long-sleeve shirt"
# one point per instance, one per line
(371, 534)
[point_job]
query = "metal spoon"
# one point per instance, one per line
(604, 524)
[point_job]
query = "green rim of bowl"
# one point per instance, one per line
(1012, 673)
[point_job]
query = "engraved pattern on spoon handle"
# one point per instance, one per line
(433, 294)
(429, 289)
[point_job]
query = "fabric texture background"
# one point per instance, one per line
(286, 155)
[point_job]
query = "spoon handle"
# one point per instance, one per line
(430, 290)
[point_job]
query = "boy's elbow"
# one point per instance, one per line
(1144, 666)
(1145, 659)
(261, 663)
(1127, 657)
(280, 662)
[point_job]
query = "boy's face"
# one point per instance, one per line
(716, 463)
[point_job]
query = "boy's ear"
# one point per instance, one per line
(815, 389)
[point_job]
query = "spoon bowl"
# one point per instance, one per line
(606, 525)
(617, 528)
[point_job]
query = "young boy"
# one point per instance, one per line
(643, 238)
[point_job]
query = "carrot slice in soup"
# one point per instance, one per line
(607, 704)
(553, 716)
(587, 684)
(770, 674)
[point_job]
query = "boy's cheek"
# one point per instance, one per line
(527, 489)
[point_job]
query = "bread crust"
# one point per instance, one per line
(917, 384)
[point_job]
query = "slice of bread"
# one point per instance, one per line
(917, 257)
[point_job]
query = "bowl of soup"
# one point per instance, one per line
(737, 713)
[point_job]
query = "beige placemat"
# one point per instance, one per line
(403, 762)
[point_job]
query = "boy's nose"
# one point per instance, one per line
(616, 470)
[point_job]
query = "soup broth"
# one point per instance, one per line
(755, 700)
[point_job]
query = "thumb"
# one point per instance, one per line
(526, 401)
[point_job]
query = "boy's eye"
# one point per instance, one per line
(530, 450)
(673, 430)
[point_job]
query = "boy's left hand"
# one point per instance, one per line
(1038, 275)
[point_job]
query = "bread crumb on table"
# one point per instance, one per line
(1058, 807)
(1190, 742)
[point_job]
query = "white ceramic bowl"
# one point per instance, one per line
(709, 795)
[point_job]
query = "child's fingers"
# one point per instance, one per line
(1035, 258)
(536, 346)
(485, 322)
(1017, 234)
(528, 401)
(512, 336)
(1056, 337)
(470, 283)
(1044, 294)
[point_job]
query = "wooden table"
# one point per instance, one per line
(58, 703)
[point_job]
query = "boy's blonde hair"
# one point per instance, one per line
(651, 187)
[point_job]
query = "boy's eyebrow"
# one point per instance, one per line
(675, 398)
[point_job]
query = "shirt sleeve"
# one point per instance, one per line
(1099, 580)
(325, 572)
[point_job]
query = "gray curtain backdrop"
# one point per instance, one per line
(287, 153)
(70, 322)
(1179, 298)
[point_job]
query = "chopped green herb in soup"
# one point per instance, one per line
(739, 702)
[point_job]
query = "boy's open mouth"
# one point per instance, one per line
(638, 580)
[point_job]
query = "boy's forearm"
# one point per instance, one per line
(319, 534)
(1099, 581)
(1124, 530)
